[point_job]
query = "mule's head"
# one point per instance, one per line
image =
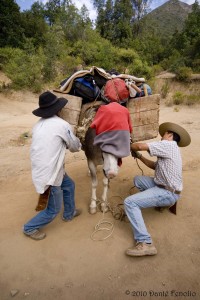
(110, 165)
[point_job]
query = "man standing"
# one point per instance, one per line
(51, 136)
(161, 190)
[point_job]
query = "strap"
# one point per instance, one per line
(116, 90)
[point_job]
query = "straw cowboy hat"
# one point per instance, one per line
(49, 105)
(185, 139)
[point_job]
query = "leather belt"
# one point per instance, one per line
(168, 188)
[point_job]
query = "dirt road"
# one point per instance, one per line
(68, 264)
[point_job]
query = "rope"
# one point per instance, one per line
(139, 167)
(102, 222)
(118, 214)
(85, 123)
(117, 211)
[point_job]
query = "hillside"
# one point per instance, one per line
(167, 18)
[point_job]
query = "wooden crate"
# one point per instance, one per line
(72, 110)
(144, 113)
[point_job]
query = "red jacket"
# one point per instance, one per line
(112, 116)
(112, 123)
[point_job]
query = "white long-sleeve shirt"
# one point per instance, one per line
(50, 139)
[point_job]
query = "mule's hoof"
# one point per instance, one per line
(92, 210)
(104, 208)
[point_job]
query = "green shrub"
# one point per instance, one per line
(196, 65)
(184, 73)
(7, 54)
(23, 67)
(192, 99)
(126, 56)
(165, 89)
(156, 70)
(176, 65)
(25, 71)
(174, 61)
(140, 68)
(67, 64)
(178, 98)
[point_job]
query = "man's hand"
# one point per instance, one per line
(136, 154)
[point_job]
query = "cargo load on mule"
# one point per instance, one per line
(89, 90)
(86, 90)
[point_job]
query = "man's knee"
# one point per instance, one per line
(129, 201)
(69, 184)
(137, 181)
(54, 212)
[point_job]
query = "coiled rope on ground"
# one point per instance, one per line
(117, 211)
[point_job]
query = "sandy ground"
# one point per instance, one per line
(68, 264)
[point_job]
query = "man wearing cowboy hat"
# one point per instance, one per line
(51, 136)
(161, 190)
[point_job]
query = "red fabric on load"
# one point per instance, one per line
(112, 116)
(116, 90)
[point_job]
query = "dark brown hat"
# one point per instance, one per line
(49, 105)
(185, 139)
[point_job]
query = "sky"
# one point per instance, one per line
(26, 4)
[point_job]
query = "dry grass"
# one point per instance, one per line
(177, 93)
(21, 140)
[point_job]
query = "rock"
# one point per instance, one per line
(14, 292)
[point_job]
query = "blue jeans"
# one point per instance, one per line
(151, 196)
(58, 194)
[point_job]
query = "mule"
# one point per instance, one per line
(95, 157)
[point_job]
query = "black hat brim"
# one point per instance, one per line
(52, 110)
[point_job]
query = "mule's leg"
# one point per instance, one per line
(104, 206)
(110, 168)
(93, 174)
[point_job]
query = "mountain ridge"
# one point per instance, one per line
(167, 18)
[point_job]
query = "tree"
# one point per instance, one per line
(99, 4)
(53, 50)
(72, 22)
(52, 10)
(192, 33)
(104, 22)
(34, 24)
(122, 29)
(114, 20)
(84, 14)
(140, 8)
(187, 42)
(11, 31)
